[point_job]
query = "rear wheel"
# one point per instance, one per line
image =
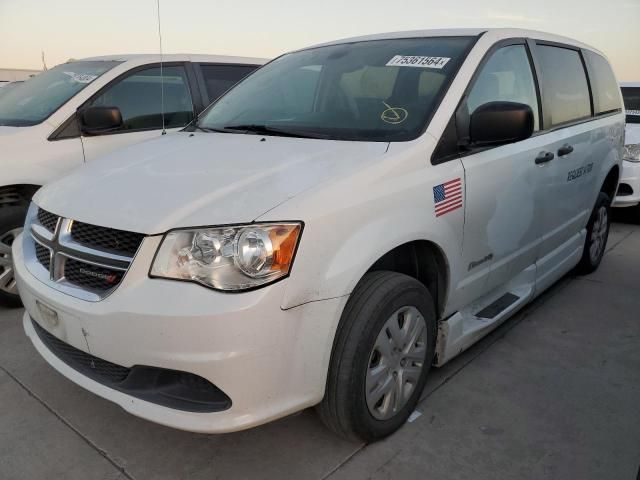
(597, 235)
(11, 223)
(382, 353)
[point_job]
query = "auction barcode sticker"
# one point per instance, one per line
(417, 61)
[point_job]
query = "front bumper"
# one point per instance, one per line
(270, 362)
(630, 180)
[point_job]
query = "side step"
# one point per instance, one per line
(498, 306)
(465, 327)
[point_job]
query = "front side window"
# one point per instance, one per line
(506, 77)
(139, 98)
(34, 100)
(379, 90)
(606, 93)
(220, 78)
(631, 98)
(564, 84)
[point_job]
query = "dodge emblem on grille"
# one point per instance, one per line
(108, 277)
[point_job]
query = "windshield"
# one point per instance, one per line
(631, 97)
(379, 90)
(30, 102)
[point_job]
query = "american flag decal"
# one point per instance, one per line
(447, 196)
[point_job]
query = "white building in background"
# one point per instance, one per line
(14, 74)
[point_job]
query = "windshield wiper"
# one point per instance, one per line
(195, 126)
(281, 132)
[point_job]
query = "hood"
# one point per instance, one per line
(197, 179)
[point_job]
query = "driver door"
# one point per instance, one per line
(503, 217)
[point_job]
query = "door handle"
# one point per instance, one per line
(566, 149)
(544, 157)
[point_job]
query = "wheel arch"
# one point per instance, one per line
(423, 260)
(610, 184)
(17, 195)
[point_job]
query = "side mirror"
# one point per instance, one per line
(95, 120)
(495, 123)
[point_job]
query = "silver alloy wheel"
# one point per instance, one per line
(599, 234)
(7, 279)
(396, 362)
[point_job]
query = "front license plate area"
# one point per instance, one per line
(48, 315)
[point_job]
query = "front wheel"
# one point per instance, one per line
(11, 223)
(382, 353)
(597, 235)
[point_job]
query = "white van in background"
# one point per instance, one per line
(344, 218)
(629, 189)
(82, 109)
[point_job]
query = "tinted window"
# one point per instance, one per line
(506, 77)
(606, 93)
(631, 97)
(220, 78)
(379, 90)
(30, 102)
(139, 98)
(564, 84)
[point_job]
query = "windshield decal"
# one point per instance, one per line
(393, 115)
(418, 61)
(81, 77)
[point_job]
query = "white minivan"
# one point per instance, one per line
(629, 189)
(82, 109)
(339, 221)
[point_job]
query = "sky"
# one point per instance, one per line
(66, 29)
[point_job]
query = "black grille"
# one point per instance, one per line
(47, 220)
(91, 277)
(43, 255)
(92, 367)
(624, 190)
(170, 388)
(106, 239)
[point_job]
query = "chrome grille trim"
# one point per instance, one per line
(62, 247)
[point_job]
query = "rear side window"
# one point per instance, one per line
(606, 93)
(631, 97)
(139, 98)
(220, 78)
(564, 84)
(506, 77)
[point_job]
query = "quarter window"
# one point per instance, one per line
(564, 84)
(220, 78)
(506, 77)
(606, 93)
(139, 98)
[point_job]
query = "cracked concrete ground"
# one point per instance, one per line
(553, 393)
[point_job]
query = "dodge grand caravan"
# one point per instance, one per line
(340, 221)
(79, 110)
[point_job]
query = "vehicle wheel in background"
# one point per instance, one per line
(11, 224)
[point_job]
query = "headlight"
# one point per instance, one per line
(228, 258)
(631, 153)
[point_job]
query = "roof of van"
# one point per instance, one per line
(177, 57)
(630, 84)
(498, 33)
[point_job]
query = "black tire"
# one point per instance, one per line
(10, 219)
(344, 406)
(590, 262)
